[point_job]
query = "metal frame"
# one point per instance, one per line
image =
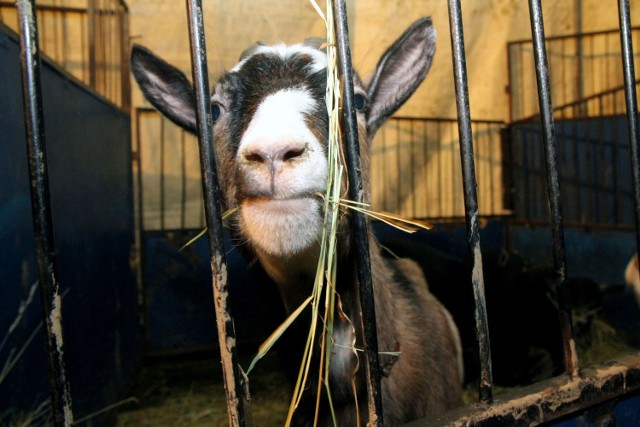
(540, 402)
(41, 210)
(99, 48)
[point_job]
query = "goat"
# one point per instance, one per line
(271, 127)
(632, 276)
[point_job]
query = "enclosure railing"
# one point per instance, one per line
(580, 66)
(415, 170)
(548, 401)
(87, 38)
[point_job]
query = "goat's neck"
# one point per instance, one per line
(293, 275)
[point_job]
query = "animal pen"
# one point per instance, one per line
(571, 160)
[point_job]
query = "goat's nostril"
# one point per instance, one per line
(292, 153)
(254, 157)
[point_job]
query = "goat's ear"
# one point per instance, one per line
(166, 87)
(400, 71)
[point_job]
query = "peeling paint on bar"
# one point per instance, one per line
(470, 196)
(238, 406)
(41, 213)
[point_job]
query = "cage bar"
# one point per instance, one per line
(470, 196)
(356, 193)
(236, 390)
(553, 187)
(41, 210)
(632, 106)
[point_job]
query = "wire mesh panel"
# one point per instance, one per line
(416, 169)
(580, 66)
(87, 38)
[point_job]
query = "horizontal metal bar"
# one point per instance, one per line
(549, 400)
(570, 36)
(446, 120)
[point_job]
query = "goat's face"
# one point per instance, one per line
(271, 127)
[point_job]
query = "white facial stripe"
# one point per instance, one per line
(290, 220)
(319, 58)
(279, 121)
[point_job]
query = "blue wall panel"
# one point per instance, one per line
(89, 153)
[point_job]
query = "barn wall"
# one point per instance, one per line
(375, 24)
(89, 158)
(489, 25)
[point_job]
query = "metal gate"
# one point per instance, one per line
(578, 389)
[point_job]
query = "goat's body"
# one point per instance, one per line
(270, 131)
(632, 276)
(425, 378)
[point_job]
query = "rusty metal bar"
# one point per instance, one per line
(356, 193)
(237, 398)
(553, 187)
(41, 210)
(632, 106)
(470, 197)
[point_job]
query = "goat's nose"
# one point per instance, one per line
(274, 155)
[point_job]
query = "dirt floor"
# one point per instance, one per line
(188, 391)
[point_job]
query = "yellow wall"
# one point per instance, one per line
(489, 25)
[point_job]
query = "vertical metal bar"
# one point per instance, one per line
(162, 174)
(41, 210)
(470, 197)
(137, 158)
(439, 157)
(183, 179)
(632, 106)
(383, 132)
(237, 403)
(91, 29)
(356, 193)
(399, 168)
(125, 82)
(425, 175)
(553, 187)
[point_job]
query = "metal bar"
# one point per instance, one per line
(125, 82)
(91, 29)
(553, 187)
(549, 400)
(569, 36)
(41, 209)
(237, 403)
(162, 174)
(470, 197)
(356, 193)
(632, 106)
(140, 233)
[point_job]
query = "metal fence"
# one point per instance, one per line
(416, 168)
(561, 397)
(580, 66)
(87, 38)
(415, 171)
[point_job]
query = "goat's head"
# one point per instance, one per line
(271, 126)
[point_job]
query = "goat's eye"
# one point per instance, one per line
(215, 111)
(360, 101)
